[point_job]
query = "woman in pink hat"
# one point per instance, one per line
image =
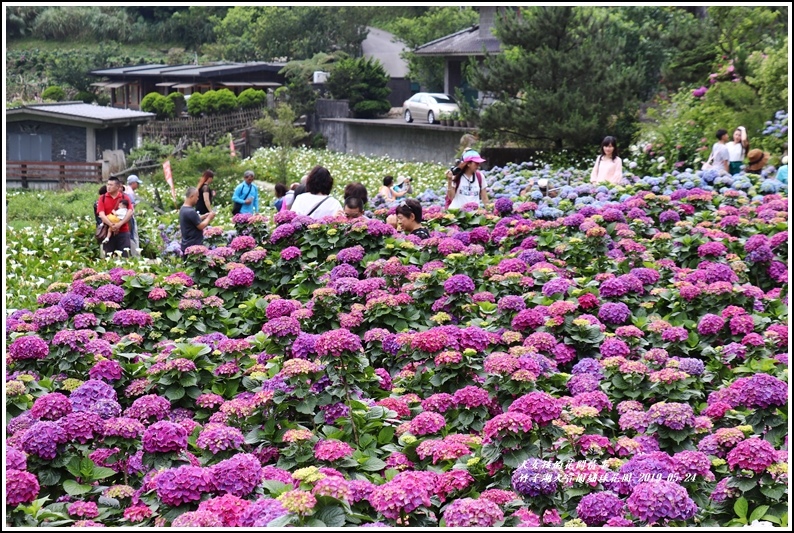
(468, 184)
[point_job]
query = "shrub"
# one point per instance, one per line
(163, 106)
(363, 82)
(178, 100)
(195, 104)
(219, 101)
(251, 98)
(85, 96)
(54, 93)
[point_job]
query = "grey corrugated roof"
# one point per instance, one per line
(385, 47)
(80, 110)
(463, 43)
(187, 71)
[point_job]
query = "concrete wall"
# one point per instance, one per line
(408, 142)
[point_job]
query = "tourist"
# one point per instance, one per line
(409, 218)
(131, 190)
(289, 197)
(317, 203)
(467, 184)
(782, 172)
(191, 224)
(354, 207)
(608, 167)
(280, 191)
(737, 150)
(206, 195)
(354, 190)
(756, 161)
(387, 192)
(246, 195)
(107, 203)
(719, 159)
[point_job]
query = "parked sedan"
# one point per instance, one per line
(428, 106)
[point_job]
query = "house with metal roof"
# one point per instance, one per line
(128, 85)
(457, 48)
(51, 144)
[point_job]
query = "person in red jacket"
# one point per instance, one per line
(107, 203)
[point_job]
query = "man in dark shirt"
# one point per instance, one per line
(191, 224)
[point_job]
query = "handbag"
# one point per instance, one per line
(707, 165)
(237, 205)
(101, 232)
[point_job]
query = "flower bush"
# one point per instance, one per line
(606, 356)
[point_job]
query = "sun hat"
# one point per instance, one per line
(132, 178)
(472, 155)
(402, 179)
(756, 159)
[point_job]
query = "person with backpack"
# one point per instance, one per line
(246, 195)
(465, 183)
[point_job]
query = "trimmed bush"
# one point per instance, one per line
(195, 104)
(53, 93)
(85, 96)
(251, 98)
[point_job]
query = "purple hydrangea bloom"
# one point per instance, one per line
(15, 459)
(336, 342)
(261, 512)
(182, 485)
(81, 426)
(596, 509)
(657, 501)
(110, 293)
(535, 478)
(614, 313)
(28, 347)
(468, 512)
(21, 487)
(90, 392)
(351, 255)
(556, 286)
(51, 406)
(238, 475)
(459, 283)
(42, 439)
(282, 327)
(72, 303)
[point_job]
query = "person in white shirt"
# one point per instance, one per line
(468, 184)
(317, 203)
(737, 150)
(133, 182)
(608, 167)
(720, 158)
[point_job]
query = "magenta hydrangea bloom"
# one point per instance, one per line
(238, 475)
(426, 423)
(283, 326)
(331, 450)
(661, 501)
(332, 486)
(82, 426)
(335, 342)
(132, 318)
(149, 407)
(763, 391)
(51, 406)
(28, 347)
(107, 370)
(15, 459)
(228, 508)
(406, 492)
(468, 512)
(752, 454)
(261, 512)
(218, 437)
(21, 487)
(614, 313)
(353, 254)
(197, 519)
(164, 437)
(83, 509)
(127, 428)
(540, 406)
(506, 423)
(241, 277)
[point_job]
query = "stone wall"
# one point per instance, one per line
(69, 138)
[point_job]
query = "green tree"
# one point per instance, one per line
(363, 82)
(744, 30)
(769, 75)
(414, 31)
(558, 82)
(72, 67)
(285, 135)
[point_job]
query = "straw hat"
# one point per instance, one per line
(756, 159)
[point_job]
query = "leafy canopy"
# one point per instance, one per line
(559, 81)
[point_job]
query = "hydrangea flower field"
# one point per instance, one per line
(611, 357)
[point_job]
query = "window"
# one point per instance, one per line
(29, 147)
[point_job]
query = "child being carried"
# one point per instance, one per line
(117, 216)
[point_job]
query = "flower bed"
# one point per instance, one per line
(613, 361)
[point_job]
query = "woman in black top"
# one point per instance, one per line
(409, 218)
(206, 196)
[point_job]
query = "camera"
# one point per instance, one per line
(455, 169)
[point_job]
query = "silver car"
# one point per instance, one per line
(428, 106)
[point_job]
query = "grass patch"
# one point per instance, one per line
(33, 207)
